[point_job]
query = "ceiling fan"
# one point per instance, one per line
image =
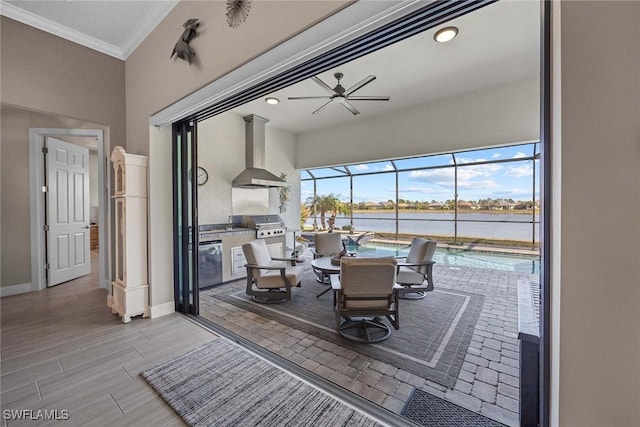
(341, 95)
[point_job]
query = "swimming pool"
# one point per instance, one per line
(504, 262)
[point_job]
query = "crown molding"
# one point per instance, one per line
(33, 20)
(146, 26)
(142, 30)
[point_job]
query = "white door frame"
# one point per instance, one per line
(37, 212)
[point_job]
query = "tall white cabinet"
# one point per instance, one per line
(130, 289)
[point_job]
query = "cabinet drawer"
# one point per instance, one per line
(238, 269)
(237, 254)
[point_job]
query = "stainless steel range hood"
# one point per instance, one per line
(255, 176)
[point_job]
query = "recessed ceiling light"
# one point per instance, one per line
(272, 101)
(445, 34)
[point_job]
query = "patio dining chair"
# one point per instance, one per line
(325, 245)
(416, 269)
(365, 293)
(272, 278)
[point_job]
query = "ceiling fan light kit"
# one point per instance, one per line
(340, 95)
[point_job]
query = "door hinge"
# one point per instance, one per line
(45, 227)
(44, 189)
(45, 150)
(46, 266)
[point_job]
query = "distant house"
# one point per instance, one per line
(374, 205)
(404, 205)
(503, 205)
(437, 206)
(465, 205)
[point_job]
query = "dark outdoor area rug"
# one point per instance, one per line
(221, 384)
(428, 410)
(432, 340)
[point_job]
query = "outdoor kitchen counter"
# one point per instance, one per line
(230, 238)
(219, 234)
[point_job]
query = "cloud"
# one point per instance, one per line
(425, 190)
(361, 167)
(519, 155)
(388, 168)
(465, 173)
(431, 192)
(519, 191)
(469, 177)
(519, 171)
(465, 160)
(477, 184)
(496, 155)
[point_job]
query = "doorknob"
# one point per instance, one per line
(86, 226)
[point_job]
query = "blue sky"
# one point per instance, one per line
(511, 180)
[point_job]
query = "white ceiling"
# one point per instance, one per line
(496, 44)
(113, 27)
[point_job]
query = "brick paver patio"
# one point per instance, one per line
(489, 378)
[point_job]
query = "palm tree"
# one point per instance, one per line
(327, 204)
(305, 213)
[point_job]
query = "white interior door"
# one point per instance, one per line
(67, 211)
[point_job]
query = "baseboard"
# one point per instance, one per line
(22, 288)
(160, 310)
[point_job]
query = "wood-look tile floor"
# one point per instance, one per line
(63, 349)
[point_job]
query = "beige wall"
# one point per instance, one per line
(15, 204)
(154, 81)
(505, 114)
(160, 222)
(596, 202)
(14, 198)
(44, 73)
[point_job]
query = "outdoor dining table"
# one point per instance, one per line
(324, 265)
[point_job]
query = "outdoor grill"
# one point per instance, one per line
(266, 226)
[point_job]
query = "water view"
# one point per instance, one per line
(508, 226)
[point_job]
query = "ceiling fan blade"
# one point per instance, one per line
(321, 108)
(349, 107)
(359, 85)
(324, 86)
(369, 98)
(309, 97)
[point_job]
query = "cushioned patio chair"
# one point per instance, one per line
(416, 269)
(326, 245)
(272, 278)
(365, 292)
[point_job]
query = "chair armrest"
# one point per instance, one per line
(264, 267)
(291, 260)
(416, 264)
(335, 282)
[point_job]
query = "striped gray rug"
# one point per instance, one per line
(222, 384)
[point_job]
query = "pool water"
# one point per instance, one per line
(504, 262)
